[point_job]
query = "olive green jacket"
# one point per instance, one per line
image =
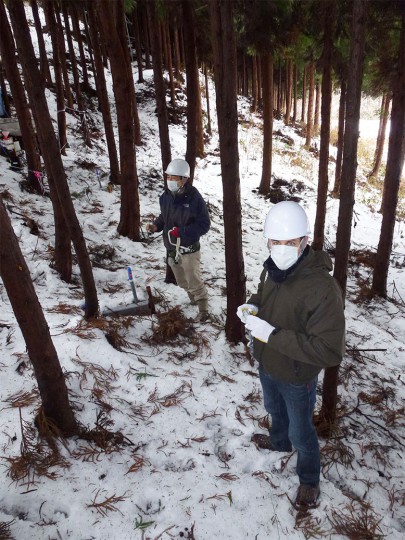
(307, 312)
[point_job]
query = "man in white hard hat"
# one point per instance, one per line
(297, 321)
(184, 219)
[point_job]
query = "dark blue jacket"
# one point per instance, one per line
(185, 210)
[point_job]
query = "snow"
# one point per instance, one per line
(187, 468)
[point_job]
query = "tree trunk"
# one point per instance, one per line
(295, 94)
(30, 317)
(310, 115)
(207, 94)
(166, 34)
(288, 93)
(8, 54)
(177, 60)
(121, 28)
(79, 99)
(110, 16)
(145, 35)
(159, 85)
(317, 106)
(279, 92)
(395, 163)
(102, 93)
(319, 228)
(137, 33)
(76, 30)
(267, 72)
(356, 63)
(87, 33)
(44, 65)
(385, 106)
(193, 88)
(62, 55)
(224, 48)
(49, 148)
(254, 83)
(304, 93)
(341, 131)
(60, 96)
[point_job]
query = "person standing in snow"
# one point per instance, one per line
(296, 319)
(184, 219)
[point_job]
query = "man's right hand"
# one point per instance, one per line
(151, 227)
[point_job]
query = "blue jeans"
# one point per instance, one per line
(291, 407)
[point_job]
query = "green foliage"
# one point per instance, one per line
(129, 5)
(142, 525)
(264, 25)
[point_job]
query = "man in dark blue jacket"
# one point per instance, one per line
(184, 219)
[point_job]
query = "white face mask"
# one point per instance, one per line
(173, 186)
(284, 256)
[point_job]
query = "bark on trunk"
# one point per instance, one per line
(288, 93)
(224, 47)
(76, 79)
(159, 86)
(304, 93)
(381, 135)
(109, 18)
(166, 34)
(295, 94)
(356, 64)
(267, 73)
(194, 118)
(62, 55)
(254, 84)
(44, 65)
(207, 94)
(310, 115)
(323, 179)
(341, 131)
(60, 96)
(30, 317)
(317, 106)
(102, 93)
(76, 29)
(137, 33)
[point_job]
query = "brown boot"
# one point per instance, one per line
(203, 314)
(307, 497)
(262, 441)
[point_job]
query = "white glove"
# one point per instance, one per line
(259, 328)
(246, 309)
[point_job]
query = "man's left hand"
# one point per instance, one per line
(259, 328)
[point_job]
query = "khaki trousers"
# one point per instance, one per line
(188, 275)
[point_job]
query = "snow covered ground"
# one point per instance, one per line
(186, 467)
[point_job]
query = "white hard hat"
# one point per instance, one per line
(178, 167)
(286, 220)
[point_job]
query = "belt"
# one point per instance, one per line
(184, 250)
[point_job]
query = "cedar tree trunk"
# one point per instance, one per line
(347, 189)
(224, 47)
(30, 317)
(395, 163)
(267, 74)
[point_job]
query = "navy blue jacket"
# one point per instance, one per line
(185, 210)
